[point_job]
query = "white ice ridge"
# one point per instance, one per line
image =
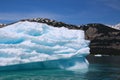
(25, 42)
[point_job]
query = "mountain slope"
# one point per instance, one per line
(104, 40)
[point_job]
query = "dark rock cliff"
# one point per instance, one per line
(104, 40)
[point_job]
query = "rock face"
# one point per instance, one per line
(2, 25)
(104, 39)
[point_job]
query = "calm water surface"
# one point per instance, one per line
(100, 68)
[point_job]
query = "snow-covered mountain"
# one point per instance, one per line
(116, 26)
(27, 41)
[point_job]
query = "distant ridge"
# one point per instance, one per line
(52, 23)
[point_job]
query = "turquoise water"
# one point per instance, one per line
(96, 71)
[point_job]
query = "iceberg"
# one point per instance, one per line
(27, 42)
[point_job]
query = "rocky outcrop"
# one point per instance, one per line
(52, 23)
(104, 39)
(2, 25)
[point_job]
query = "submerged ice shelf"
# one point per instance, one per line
(26, 42)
